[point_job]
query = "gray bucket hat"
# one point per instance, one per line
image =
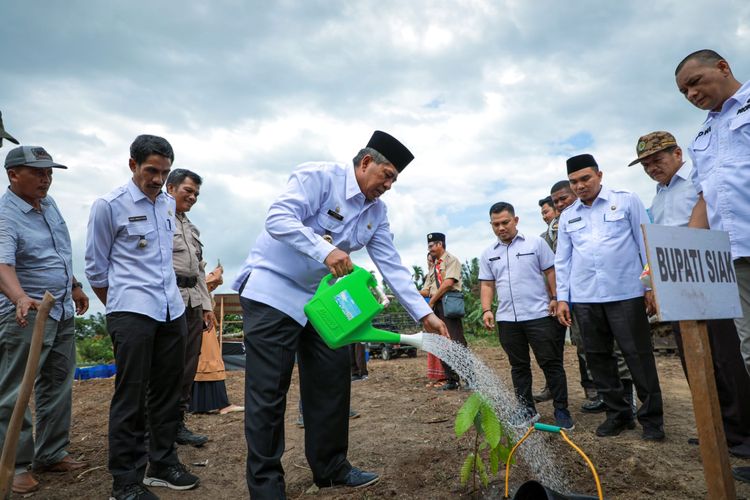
(30, 156)
(4, 134)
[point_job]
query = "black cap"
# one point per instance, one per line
(436, 237)
(580, 162)
(30, 156)
(391, 148)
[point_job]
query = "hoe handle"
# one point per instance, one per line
(8, 459)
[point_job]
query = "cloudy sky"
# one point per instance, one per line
(490, 96)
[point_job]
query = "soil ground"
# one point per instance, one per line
(405, 433)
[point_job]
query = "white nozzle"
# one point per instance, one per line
(412, 340)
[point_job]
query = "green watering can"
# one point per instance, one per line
(342, 312)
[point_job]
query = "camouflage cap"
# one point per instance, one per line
(653, 143)
(4, 134)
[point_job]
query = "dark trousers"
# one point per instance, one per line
(732, 381)
(455, 328)
(193, 341)
(271, 339)
(149, 355)
(624, 321)
(543, 336)
(357, 359)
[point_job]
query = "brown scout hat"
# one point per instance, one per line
(653, 143)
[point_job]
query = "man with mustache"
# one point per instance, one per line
(187, 256)
(129, 265)
(721, 174)
(36, 255)
(326, 211)
(600, 256)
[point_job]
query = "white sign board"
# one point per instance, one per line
(692, 273)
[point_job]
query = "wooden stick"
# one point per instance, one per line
(8, 459)
(713, 442)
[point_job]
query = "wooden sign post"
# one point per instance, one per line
(693, 280)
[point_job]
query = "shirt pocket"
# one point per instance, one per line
(136, 232)
(739, 131)
(331, 224)
(198, 245)
(615, 222)
(576, 231)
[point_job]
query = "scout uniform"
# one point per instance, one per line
(446, 267)
(189, 268)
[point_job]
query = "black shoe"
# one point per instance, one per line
(653, 433)
(186, 437)
(543, 396)
(175, 477)
(356, 478)
(133, 491)
(740, 451)
(596, 406)
(613, 427)
(693, 441)
(591, 393)
(450, 386)
(563, 419)
(741, 474)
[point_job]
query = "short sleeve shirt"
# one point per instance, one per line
(517, 269)
(446, 267)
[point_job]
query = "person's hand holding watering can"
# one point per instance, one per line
(339, 263)
(432, 324)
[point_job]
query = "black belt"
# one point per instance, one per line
(186, 281)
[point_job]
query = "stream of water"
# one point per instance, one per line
(535, 452)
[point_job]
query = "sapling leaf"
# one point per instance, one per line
(482, 471)
(466, 469)
(490, 425)
(483, 446)
(466, 414)
(494, 460)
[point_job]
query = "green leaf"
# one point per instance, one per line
(494, 460)
(466, 469)
(466, 414)
(490, 425)
(482, 471)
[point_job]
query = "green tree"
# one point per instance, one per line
(93, 342)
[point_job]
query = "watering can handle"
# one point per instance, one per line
(326, 281)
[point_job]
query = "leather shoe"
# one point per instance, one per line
(739, 473)
(614, 427)
(740, 451)
(591, 393)
(653, 433)
(356, 478)
(24, 483)
(67, 464)
(596, 406)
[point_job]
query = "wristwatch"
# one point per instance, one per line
(76, 284)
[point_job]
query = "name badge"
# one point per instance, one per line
(577, 219)
(495, 258)
(137, 218)
(336, 215)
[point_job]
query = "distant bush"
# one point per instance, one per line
(96, 349)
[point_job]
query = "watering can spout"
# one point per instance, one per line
(414, 340)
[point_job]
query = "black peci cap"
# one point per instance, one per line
(391, 148)
(580, 162)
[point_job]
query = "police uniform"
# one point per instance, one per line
(600, 256)
(322, 208)
(447, 266)
(189, 268)
(129, 252)
(721, 160)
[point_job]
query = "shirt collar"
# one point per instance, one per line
(22, 205)
(744, 88)
(137, 194)
(352, 187)
(682, 173)
(518, 235)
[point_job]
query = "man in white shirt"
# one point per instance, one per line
(327, 211)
